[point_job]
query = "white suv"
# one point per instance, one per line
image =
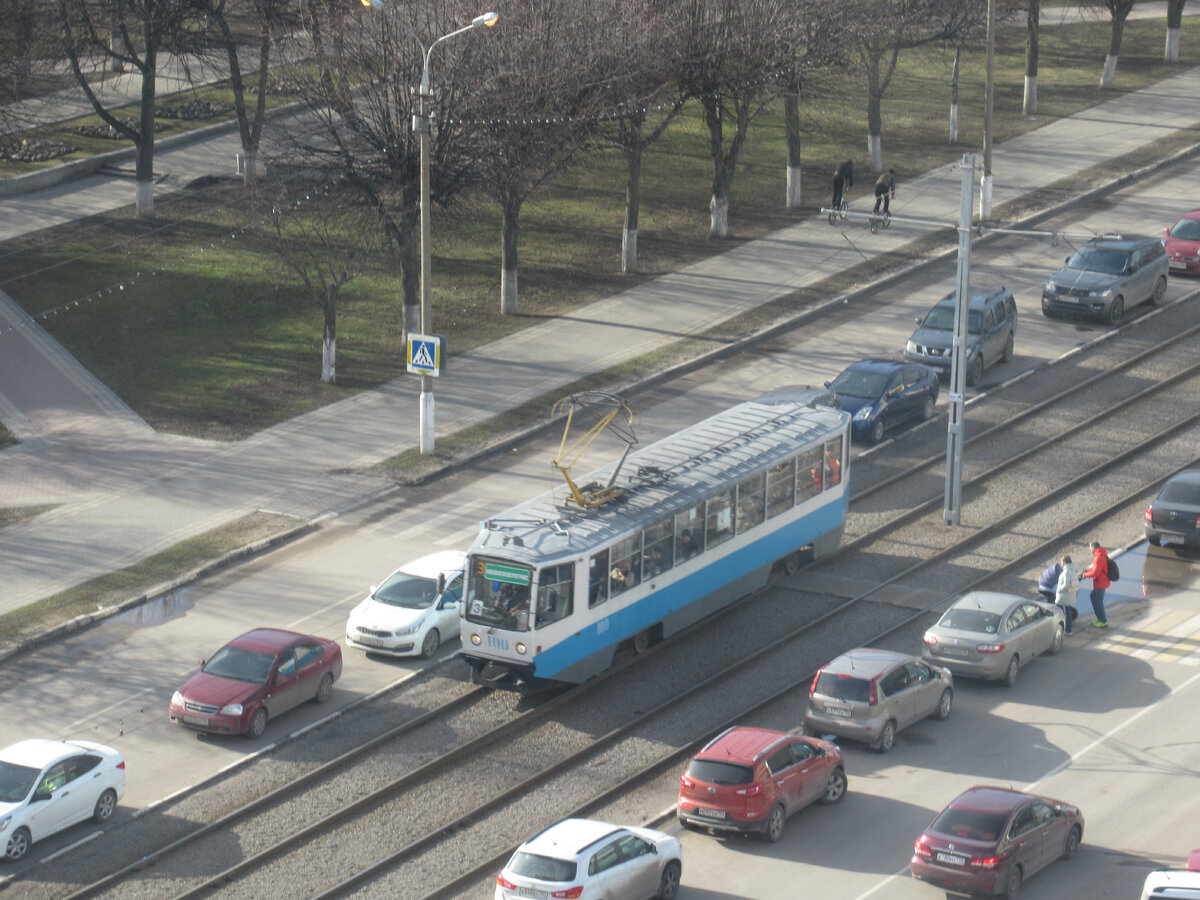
(583, 859)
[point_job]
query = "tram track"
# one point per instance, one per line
(448, 830)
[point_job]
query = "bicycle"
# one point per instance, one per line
(879, 221)
(839, 210)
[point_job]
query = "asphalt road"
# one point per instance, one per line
(112, 683)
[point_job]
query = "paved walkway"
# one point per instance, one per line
(126, 492)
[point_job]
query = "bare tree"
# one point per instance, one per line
(17, 67)
(127, 35)
(325, 236)
(889, 26)
(1118, 11)
(1174, 22)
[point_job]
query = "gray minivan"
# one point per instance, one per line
(991, 330)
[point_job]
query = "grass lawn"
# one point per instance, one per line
(189, 317)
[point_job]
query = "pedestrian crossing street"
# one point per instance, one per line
(1154, 633)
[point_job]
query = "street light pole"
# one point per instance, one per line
(421, 125)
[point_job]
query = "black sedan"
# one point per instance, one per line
(1174, 515)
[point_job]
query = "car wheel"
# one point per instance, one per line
(877, 430)
(1073, 839)
(1012, 886)
(927, 408)
(325, 688)
(1010, 674)
(1056, 644)
(975, 370)
(774, 829)
(835, 788)
(258, 723)
(1008, 349)
(668, 885)
(106, 805)
(1116, 311)
(430, 645)
(945, 704)
(18, 845)
(1160, 291)
(887, 737)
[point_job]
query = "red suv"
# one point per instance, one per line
(752, 779)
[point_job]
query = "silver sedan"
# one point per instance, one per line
(989, 635)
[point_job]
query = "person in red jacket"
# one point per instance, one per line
(1098, 572)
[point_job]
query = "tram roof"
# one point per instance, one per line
(663, 478)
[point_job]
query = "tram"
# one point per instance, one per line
(556, 587)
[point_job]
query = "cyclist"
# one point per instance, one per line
(843, 177)
(885, 184)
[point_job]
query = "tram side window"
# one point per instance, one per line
(598, 579)
(718, 519)
(659, 552)
(808, 474)
(781, 488)
(556, 592)
(833, 463)
(689, 533)
(749, 502)
(626, 564)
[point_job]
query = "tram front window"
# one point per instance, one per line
(498, 595)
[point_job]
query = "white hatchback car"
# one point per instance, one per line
(414, 610)
(583, 859)
(46, 786)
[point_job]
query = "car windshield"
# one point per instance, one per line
(974, 826)
(966, 619)
(941, 318)
(853, 383)
(241, 664)
(713, 771)
(16, 782)
(1187, 230)
(543, 868)
(843, 687)
(408, 591)
(1110, 262)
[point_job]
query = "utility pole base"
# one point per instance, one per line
(426, 422)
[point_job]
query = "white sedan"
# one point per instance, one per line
(414, 610)
(588, 860)
(46, 786)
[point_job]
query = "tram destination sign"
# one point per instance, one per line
(506, 574)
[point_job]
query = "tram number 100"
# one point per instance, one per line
(497, 643)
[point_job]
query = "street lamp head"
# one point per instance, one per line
(372, 4)
(487, 20)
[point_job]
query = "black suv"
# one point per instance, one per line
(991, 328)
(1106, 275)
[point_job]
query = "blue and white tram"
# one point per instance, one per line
(555, 590)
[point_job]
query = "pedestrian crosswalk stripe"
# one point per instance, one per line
(1163, 634)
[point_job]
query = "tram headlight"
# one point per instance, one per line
(476, 640)
(521, 648)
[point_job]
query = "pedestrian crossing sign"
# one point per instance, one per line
(426, 353)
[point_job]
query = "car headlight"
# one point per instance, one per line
(231, 709)
(1051, 287)
(177, 699)
(1100, 293)
(409, 629)
(864, 413)
(4, 822)
(910, 347)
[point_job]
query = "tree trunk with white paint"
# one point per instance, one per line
(718, 216)
(954, 95)
(985, 198)
(1032, 15)
(1110, 71)
(509, 234)
(329, 343)
(633, 202)
(875, 152)
(1174, 23)
(791, 118)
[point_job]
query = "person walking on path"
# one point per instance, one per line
(885, 184)
(1064, 590)
(1098, 572)
(843, 177)
(1048, 581)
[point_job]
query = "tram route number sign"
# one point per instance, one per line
(506, 574)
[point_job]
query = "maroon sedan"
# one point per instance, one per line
(1183, 244)
(989, 840)
(257, 676)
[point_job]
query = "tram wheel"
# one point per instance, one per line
(642, 641)
(791, 562)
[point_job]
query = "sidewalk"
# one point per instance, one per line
(126, 492)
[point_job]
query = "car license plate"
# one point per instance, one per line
(961, 652)
(950, 859)
(195, 720)
(710, 813)
(533, 893)
(1178, 265)
(838, 711)
(371, 641)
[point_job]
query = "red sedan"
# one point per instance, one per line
(989, 840)
(257, 676)
(1183, 245)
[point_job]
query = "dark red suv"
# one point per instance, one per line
(752, 779)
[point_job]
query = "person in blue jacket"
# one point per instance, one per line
(1048, 581)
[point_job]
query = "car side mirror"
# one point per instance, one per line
(373, 589)
(920, 319)
(441, 582)
(828, 384)
(1067, 261)
(39, 796)
(203, 663)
